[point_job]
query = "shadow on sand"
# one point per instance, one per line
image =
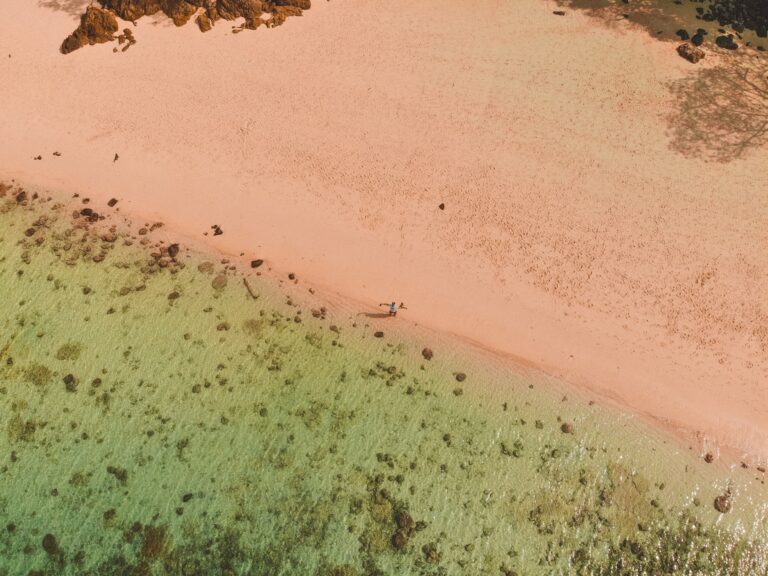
(375, 314)
(659, 19)
(722, 112)
(74, 8)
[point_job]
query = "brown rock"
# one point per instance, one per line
(379, 334)
(427, 353)
(709, 458)
(173, 250)
(256, 263)
(460, 376)
(690, 52)
(96, 26)
(112, 202)
(219, 282)
(567, 428)
(204, 23)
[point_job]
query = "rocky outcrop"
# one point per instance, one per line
(99, 24)
(96, 26)
(180, 11)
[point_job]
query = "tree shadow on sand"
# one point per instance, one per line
(74, 8)
(660, 20)
(723, 111)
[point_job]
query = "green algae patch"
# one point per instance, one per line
(216, 433)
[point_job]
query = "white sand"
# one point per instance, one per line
(573, 236)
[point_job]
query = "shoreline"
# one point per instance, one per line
(307, 294)
(133, 380)
(504, 278)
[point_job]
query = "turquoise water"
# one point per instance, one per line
(157, 421)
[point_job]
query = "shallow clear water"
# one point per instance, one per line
(155, 424)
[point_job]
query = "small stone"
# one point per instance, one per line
(173, 295)
(441, 206)
(566, 428)
(112, 202)
(460, 376)
(187, 497)
(378, 334)
(173, 250)
(291, 276)
(427, 353)
(256, 263)
(709, 458)
(558, 13)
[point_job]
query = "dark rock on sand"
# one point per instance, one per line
(256, 263)
(427, 353)
(683, 34)
(379, 334)
(96, 26)
(567, 428)
(460, 376)
(709, 458)
(726, 42)
(690, 53)
(173, 250)
(697, 39)
(112, 202)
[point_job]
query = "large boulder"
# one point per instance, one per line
(690, 53)
(96, 26)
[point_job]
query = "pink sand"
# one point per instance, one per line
(572, 236)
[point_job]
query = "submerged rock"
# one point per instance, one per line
(96, 26)
(723, 503)
(50, 544)
(219, 282)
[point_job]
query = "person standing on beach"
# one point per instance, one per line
(393, 307)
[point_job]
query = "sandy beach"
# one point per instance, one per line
(598, 222)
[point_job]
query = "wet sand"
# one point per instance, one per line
(581, 232)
